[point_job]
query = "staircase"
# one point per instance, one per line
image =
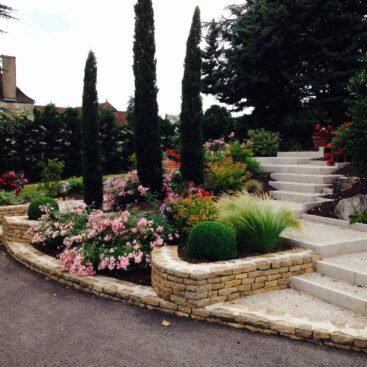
(299, 177)
(341, 280)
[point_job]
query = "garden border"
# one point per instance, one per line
(350, 337)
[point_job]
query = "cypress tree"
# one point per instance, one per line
(147, 137)
(91, 160)
(192, 158)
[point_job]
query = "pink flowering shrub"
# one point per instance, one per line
(99, 242)
(124, 191)
(215, 150)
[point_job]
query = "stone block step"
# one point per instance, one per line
(326, 239)
(304, 178)
(284, 160)
(297, 197)
(306, 169)
(334, 291)
(299, 187)
(310, 154)
(351, 268)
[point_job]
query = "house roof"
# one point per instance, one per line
(121, 116)
(106, 106)
(20, 96)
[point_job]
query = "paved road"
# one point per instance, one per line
(44, 324)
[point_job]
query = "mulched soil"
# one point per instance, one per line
(265, 183)
(283, 245)
(328, 209)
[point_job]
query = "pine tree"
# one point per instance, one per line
(192, 158)
(91, 160)
(147, 137)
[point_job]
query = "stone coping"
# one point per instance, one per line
(167, 258)
(251, 318)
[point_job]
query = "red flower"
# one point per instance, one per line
(329, 146)
(317, 127)
(327, 155)
(178, 156)
(207, 193)
(191, 185)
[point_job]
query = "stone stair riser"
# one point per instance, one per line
(304, 169)
(299, 187)
(302, 178)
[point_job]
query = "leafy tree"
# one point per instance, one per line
(192, 157)
(356, 135)
(71, 120)
(286, 57)
(91, 160)
(147, 137)
(217, 122)
(6, 13)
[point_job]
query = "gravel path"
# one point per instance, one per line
(44, 324)
(322, 234)
(292, 301)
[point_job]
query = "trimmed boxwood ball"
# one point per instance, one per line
(211, 241)
(34, 211)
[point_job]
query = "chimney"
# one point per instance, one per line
(9, 78)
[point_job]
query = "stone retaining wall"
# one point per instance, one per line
(15, 229)
(12, 210)
(198, 285)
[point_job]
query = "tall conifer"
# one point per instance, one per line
(91, 160)
(146, 124)
(192, 161)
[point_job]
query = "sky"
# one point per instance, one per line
(51, 40)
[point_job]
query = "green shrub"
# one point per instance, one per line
(211, 241)
(227, 176)
(257, 220)
(185, 212)
(76, 185)
(34, 209)
(358, 218)
(265, 143)
(240, 153)
(10, 198)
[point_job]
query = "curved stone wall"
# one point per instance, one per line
(200, 285)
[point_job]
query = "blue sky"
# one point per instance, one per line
(51, 40)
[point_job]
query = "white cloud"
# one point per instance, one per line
(51, 40)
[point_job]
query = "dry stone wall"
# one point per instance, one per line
(199, 285)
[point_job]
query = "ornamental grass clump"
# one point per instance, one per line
(211, 241)
(257, 220)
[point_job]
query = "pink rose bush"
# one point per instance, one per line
(96, 241)
(123, 191)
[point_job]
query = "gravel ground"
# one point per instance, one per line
(322, 234)
(336, 284)
(292, 301)
(44, 324)
(356, 262)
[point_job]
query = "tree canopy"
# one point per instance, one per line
(285, 57)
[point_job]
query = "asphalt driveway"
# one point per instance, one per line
(44, 324)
